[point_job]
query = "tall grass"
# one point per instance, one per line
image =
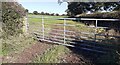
(52, 56)
(16, 44)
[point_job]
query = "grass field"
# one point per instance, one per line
(35, 21)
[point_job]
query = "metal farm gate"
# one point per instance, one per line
(66, 33)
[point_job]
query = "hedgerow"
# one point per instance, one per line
(12, 19)
(114, 14)
(13, 16)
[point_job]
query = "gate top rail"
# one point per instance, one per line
(89, 19)
(76, 18)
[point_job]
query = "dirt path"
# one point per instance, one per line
(73, 58)
(28, 54)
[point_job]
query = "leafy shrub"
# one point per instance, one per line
(11, 20)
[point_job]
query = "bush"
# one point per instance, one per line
(12, 20)
(35, 12)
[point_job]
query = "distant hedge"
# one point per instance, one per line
(114, 14)
(12, 18)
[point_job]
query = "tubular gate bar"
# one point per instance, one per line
(42, 36)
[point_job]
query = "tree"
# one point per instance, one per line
(63, 15)
(27, 10)
(35, 12)
(42, 13)
(52, 14)
(75, 8)
(57, 14)
(46, 13)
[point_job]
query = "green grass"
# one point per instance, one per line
(52, 56)
(16, 44)
(36, 23)
(0, 40)
(0, 47)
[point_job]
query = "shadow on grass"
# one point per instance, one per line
(90, 51)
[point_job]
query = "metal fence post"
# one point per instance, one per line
(43, 26)
(96, 22)
(64, 30)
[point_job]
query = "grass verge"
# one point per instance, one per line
(16, 44)
(51, 56)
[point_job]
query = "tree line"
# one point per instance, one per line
(75, 8)
(45, 13)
